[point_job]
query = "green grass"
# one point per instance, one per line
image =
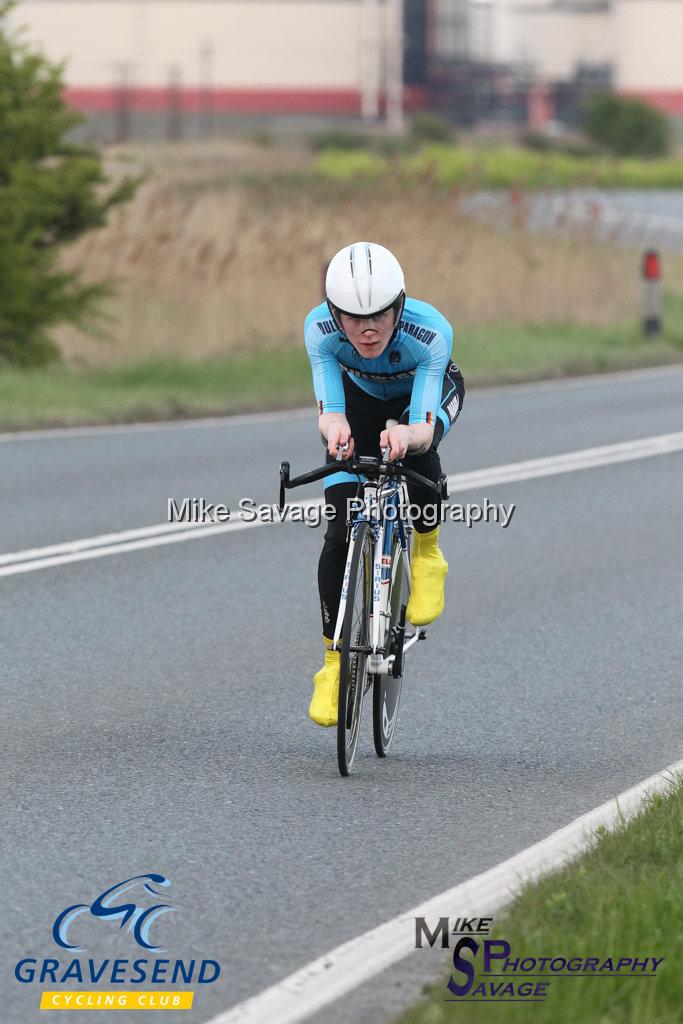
(280, 378)
(153, 390)
(624, 897)
(501, 167)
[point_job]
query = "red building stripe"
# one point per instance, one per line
(148, 99)
(669, 102)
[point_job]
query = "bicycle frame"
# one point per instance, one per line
(381, 491)
(377, 498)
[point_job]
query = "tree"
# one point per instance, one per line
(627, 127)
(51, 191)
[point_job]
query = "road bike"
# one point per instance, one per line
(371, 631)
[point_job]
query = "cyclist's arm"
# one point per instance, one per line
(336, 431)
(329, 392)
(425, 397)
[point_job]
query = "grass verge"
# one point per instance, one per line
(169, 388)
(623, 898)
(503, 167)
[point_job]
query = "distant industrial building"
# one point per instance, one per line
(649, 51)
(196, 61)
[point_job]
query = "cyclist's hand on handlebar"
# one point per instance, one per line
(396, 439)
(337, 435)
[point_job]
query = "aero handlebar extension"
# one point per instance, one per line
(367, 466)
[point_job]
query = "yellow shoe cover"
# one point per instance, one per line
(428, 570)
(323, 708)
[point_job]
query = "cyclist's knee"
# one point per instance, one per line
(428, 464)
(338, 497)
(335, 535)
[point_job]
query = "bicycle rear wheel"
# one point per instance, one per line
(386, 694)
(354, 663)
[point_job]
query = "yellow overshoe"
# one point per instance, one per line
(428, 570)
(323, 707)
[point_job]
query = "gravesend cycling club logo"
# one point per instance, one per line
(138, 919)
(132, 907)
(487, 970)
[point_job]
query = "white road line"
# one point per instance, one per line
(586, 458)
(242, 419)
(590, 380)
(73, 546)
(87, 548)
(343, 969)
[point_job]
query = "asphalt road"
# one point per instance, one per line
(154, 703)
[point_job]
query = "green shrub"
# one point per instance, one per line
(426, 126)
(350, 166)
(547, 144)
(627, 127)
(503, 168)
(446, 165)
(493, 167)
(50, 193)
(651, 173)
(538, 141)
(393, 145)
(339, 140)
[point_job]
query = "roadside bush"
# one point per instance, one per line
(627, 127)
(50, 193)
(350, 166)
(339, 140)
(547, 144)
(426, 126)
(446, 165)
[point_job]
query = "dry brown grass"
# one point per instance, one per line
(217, 253)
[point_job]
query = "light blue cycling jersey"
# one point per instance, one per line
(412, 364)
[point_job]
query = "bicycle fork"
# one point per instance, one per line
(380, 662)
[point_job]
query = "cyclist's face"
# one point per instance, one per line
(369, 334)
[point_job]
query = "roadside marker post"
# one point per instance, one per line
(652, 293)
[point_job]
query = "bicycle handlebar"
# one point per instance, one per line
(367, 466)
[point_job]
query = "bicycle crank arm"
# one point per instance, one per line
(385, 667)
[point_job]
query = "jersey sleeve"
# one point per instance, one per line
(326, 370)
(425, 397)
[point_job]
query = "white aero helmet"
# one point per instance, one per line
(364, 279)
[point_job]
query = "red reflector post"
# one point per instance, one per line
(652, 270)
(652, 293)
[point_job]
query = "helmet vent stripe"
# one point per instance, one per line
(368, 253)
(355, 282)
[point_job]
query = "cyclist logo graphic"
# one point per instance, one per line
(139, 919)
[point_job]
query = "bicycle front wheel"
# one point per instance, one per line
(387, 688)
(354, 650)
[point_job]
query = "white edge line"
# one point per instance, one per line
(84, 549)
(343, 969)
(243, 419)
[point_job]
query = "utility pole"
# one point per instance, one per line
(371, 58)
(206, 87)
(394, 65)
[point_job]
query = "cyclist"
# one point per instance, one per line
(377, 355)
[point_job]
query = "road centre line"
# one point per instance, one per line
(141, 538)
(332, 975)
(241, 419)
